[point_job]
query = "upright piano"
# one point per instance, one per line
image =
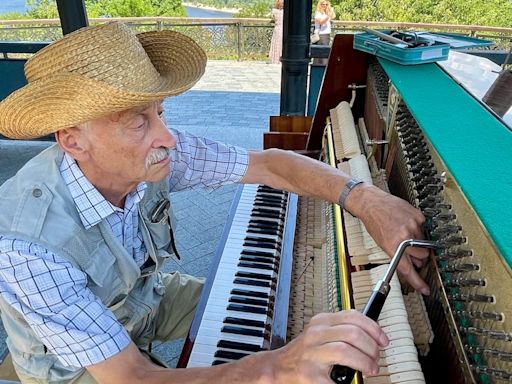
(419, 133)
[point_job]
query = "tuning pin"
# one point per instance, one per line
(428, 171)
(443, 230)
(462, 282)
(468, 267)
(494, 316)
(454, 254)
(493, 372)
(429, 201)
(495, 353)
(470, 297)
(496, 335)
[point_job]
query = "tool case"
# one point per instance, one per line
(414, 47)
(414, 50)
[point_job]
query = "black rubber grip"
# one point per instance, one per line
(341, 374)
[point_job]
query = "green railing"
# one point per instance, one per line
(234, 39)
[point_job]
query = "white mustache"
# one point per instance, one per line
(159, 155)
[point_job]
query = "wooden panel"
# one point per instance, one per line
(290, 123)
(346, 66)
(285, 140)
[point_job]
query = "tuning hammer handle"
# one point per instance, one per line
(341, 374)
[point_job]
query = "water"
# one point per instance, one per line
(198, 12)
(19, 6)
(12, 6)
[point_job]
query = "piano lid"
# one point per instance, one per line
(476, 74)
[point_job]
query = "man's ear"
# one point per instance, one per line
(73, 142)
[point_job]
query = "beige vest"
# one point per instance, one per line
(37, 207)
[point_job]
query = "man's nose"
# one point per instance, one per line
(164, 137)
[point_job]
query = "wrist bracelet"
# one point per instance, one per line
(348, 187)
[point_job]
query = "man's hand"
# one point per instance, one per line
(390, 220)
(347, 338)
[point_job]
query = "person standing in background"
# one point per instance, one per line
(276, 45)
(323, 16)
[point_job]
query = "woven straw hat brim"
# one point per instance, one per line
(68, 99)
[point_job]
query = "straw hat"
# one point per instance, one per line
(95, 71)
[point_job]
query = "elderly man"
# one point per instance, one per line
(85, 224)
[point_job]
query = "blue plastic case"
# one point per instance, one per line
(428, 52)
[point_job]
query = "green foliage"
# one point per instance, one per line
(42, 9)
(134, 8)
(476, 12)
(47, 9)
(12, 16)
(260, 8)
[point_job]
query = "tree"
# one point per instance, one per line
(478, 12)
(45, 9)
(260, 8)
(42, 9)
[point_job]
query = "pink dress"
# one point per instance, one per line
(276, 45)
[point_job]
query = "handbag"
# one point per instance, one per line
(315, 37)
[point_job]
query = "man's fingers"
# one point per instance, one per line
(417, 252)
(350, 317)
(346, 354)
(354, 335)
(407, 270)
(418, 262)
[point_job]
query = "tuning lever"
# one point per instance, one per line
(342, 374)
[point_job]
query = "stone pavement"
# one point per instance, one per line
(231, 103)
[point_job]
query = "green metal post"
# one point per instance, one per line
(72, 15)
(295, 58)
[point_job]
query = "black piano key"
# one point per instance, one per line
(260, 245)
(255, 259)
(248, 264)
(270, 195)
(228, 344)
(248, 301)
(267, 214)
(247, 252)
(244, 322)
(219, 362)
(270, 191)
(254, 275)
(242, 331)
(247, 309)
(268, 211)
(276, 231)
(230, 355)
(261, 231)
(273, 204)
(265, 223)
(254, 283)
(246, 292)
(261, 216)
(262, 239)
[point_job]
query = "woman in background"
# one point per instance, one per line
(323, 16)
(276, 45)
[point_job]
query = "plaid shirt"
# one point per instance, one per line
(53, 296)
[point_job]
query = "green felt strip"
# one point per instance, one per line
(475, 145)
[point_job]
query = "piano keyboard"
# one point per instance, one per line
(239, 311)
